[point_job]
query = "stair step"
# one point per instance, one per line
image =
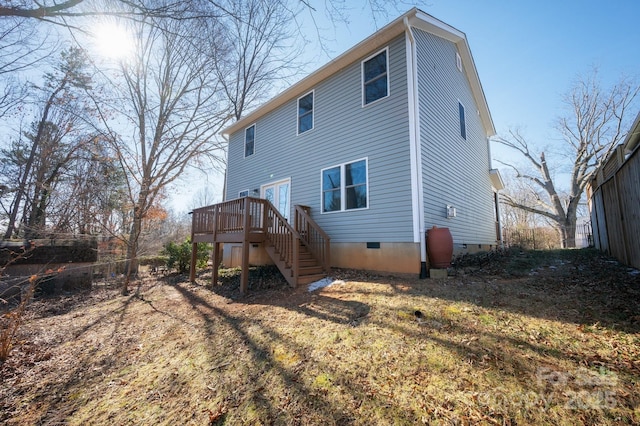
(310, 270)
(304, 263)
(308, 279)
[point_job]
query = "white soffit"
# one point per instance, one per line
(496, 179)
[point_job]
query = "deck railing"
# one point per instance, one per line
(313, 237)
(230, 216)
(248, 215)
(203, 219)
(284, 239)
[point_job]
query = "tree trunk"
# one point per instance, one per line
(136, 228)
(37, 219)
(568, 232)
(131, 265)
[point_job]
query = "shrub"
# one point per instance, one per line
(179, 255)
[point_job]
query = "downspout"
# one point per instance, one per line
(497, 199)
(226, 167)
(416, 155)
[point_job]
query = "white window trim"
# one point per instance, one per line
(313, 112)
(460, 122)
(244, 138)
(343, 189)
(386, 49)
(275, 182)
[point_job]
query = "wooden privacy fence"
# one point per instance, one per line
(614, 202)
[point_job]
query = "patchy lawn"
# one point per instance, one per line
(517, 338)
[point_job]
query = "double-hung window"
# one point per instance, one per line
(344, 187)
(375, 77)
(249, 140)
(305, 113)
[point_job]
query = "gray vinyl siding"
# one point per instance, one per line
(343, 131)
(455, 170)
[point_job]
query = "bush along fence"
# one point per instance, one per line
(541, 238)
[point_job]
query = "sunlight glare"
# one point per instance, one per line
(113, 41)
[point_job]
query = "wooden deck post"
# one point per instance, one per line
(194, 249)
(215, 257)
(194, 257)
(295, 264)
(244, 278)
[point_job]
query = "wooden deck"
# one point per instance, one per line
(300, 251)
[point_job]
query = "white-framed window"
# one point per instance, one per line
(249, 140)
(458, 62)
(305, 112)
(375, 77)
(345, 186)
(463, 123)
(243, 194)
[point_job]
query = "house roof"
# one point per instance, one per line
(415, 18)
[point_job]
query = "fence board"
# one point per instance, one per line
(628, 179)
(615, 211)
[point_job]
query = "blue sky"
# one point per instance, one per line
(527, 53)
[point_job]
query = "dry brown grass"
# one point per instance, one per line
(550, 338)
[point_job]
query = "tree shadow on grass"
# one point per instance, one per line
(273, 357)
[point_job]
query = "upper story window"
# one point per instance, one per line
(249, 140)
(463, 124)
(375, 77)
(344, 187)
(305, 113)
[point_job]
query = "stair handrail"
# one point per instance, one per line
(286, 243)
(306, 228)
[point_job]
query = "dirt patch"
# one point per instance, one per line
(509, 338)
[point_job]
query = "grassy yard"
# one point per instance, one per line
(520, 338)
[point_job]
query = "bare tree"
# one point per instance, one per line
(515, 217)
(41, 159)
(91, 195)
(60, 12)
(21, 46)
(254, 33)
(591, 131)
(172, 101)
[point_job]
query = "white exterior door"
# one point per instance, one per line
(279, 193)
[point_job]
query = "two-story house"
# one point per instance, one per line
(379, 145)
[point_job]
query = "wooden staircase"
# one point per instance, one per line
(300, 251)
(309, 268)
